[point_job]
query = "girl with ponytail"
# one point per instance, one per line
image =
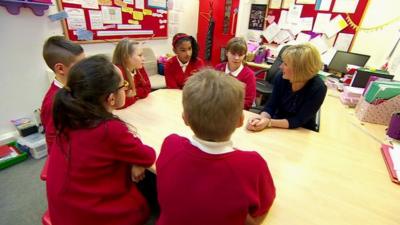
(95, 156)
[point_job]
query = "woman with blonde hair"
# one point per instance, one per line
(298, 93)
(128, 57)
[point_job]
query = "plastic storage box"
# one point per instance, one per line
(21, 156)
(36, 143)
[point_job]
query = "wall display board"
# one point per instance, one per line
(304, 20)
(112, 20)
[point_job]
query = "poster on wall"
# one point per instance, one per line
(257, 16)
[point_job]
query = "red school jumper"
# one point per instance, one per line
(89, 177)
(198, 188)
(247, 77)
(175, 77)
(142, 86)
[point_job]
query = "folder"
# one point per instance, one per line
(382, 90)
(389, 163)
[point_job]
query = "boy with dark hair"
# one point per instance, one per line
(204, 179)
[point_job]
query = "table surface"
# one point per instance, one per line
(335, 176)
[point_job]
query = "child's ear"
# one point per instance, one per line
(60, 68)
(185, 118)
(110, 101)
(241, 120)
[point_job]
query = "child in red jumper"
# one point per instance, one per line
(96, 156)
(128, 56)
(236, 52)
(60, 55)
(204, 179)
(180, 67)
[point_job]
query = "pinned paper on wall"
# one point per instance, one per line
(127, 9)
(323, 5)
(120, 3)
(110, 26)
(343, 41)
(137, 15)
(287, 3)
(320, 43)
(96, 20)
(78, 2)
(129, 2)
(162, 21)
(321, 21)
(58, 16)
(104, 2)
(111, 14)
(84, 35)
(90, 4)
(271, 31)
(303, 38)
(282, 20)
(76, 18)
(294, 13)
(306, 23)
(139, 4)
(335, 25)
(147, 12)
(275, 4)
(133, 22)
(283, 36)
(162, 26)
(345, 6)
(129, 26)
(305, 2)
(161, 4)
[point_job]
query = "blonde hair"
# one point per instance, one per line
(305, 61)
(124, 49)
(213, 104)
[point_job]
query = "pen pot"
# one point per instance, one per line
(394, 126)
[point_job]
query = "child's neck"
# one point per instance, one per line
(233, 68)
(61, 79)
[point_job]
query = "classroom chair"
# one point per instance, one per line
(150, 64)
(264, 87)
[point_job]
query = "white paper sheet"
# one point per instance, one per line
(96, 20)
(294, 13)
(323, 5)
(76, 18)
(305, 2)
(345, 6)
(306, 23)
(124, 32)
(157, 3)
(129, 26)
(343, 41)
(139, 4)
(303, 38)
(271, 31)
(282, 20)
(275, 4)
(327, 56)
(283, 36)
(320, 43)
(78, 2)
(335, 25)
(321, 21)
(111, 14)
(286, 3)
(90, 4)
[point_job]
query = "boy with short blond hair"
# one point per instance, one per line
(204, 179)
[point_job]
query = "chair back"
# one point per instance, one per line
(275, 67)
(150, 61)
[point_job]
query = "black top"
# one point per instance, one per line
(300, 107)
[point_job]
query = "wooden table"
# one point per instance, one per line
(336, 176)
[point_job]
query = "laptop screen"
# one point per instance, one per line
(341, 59)
(361, 77)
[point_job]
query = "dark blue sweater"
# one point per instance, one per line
(300, 107)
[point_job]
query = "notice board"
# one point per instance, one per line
(111, 20)
(311, 9)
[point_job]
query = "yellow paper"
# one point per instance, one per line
(137, 15)
(127, 9)
(342, 23)
(120, 3)
(133, 22)
(104, 2)
(147, 12)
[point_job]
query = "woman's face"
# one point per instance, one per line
(287, 70)
(136, 59)
(234, 60)
(184, 51)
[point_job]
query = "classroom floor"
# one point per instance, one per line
(22, 193)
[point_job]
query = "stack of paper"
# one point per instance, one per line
(382, 90)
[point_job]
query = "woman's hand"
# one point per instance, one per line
(137, 173)
(257, 123)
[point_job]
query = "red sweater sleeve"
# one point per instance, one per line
(169, 73)
(127, 147)
(142, 84)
